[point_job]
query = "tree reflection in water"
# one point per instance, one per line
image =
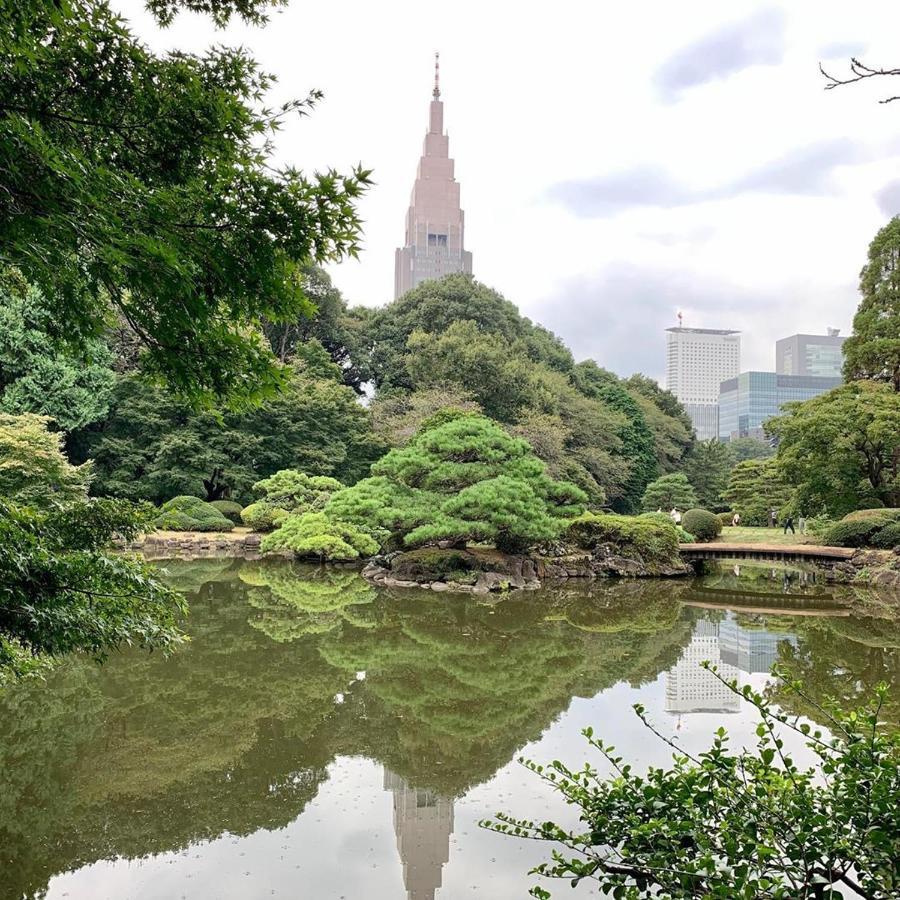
(234, 733)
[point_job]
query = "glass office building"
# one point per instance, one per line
(745, 402)
(810, 354)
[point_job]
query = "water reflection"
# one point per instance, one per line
(292, 671)
(423, 823)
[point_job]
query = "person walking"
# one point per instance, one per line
(801, 524)
(789, 523)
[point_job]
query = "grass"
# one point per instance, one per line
(746, 535)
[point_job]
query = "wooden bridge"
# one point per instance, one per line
(812, 553)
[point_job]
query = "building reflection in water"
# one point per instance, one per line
(733, 649)
(423, 823)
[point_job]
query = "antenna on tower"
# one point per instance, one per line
(680, 319)
(436, 93)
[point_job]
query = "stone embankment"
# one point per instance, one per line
(875, 568)
(198, 544)
(482, 571)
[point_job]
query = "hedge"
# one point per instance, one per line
(651, 539)
(229, 509)
(888, 537)
(702, 524)
(262, 516)
(191, 514)
(853, 532)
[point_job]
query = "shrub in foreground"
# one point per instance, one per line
(191, 514)
(702, 524)
(861, 528)
(316, 535)
(729, 824)
(260, 516)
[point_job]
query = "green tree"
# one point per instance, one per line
(714, 825)
(873, 350)
(755, 487)
(707, 466)
(40, 373)
(435, 305)
(344, 333)
(397, 416)
(638, 446)
(750, 448)
(60, 591)
(462, 478)
(842, 447)
(669, 492)
(671, 426)
(154, 446)
(146, 186)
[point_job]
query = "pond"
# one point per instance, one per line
(321, 738)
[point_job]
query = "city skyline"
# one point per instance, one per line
(601, 225)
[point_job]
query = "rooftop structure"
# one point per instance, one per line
(811, 354)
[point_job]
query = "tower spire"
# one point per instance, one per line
(436, 93)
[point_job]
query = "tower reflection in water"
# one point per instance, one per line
(423, 823)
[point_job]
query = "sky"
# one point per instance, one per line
(618, 162)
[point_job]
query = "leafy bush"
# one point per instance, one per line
(888, 537)
(191, 514)
(314, 534)
(296, 491)
(853, 532)
(733, 823)
(725, 518)
(651, 539)
(878, 513)
(260, 516)
(685, 537)
(229, 509)
(704, 525)
(870, 503)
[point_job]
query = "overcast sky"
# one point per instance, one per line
(618, 162)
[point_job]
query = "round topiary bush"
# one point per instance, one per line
(262, 516)
(191, 514)
(229, 509)
(888, 537)
(702, 524)
(882, 514)
(853, 532)
(725, 517)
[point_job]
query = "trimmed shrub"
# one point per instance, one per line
(853, 532)
(261, 516)
(702, 524)
(652, 540)
(229, 509)
(888, 537)
(685, 537)
(882, 514)
(870, 503)
(725, 518)
(191, 514)
(315, 535)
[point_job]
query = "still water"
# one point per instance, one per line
(321, 738)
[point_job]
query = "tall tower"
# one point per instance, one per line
(434, 244)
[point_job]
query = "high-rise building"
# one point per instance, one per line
(698, 360)
(423, 823)
(811, 354)
(689, 687)
(434, 245)
(746, 401)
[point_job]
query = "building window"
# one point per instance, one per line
(437, 240)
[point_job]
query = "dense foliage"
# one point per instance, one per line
(651, 540)
(707, 466)
(144, 184)
(288, 491)
(875, 527)
(154, 446)
(873, 350)
(316, 535)
(669, 492)
(191, 514)
(40, 372)
(842, 448)
(60, 590)
(462, 478)
(755, 488)
(727, 824)
(702, 524)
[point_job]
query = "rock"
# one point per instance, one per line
(440, 586)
